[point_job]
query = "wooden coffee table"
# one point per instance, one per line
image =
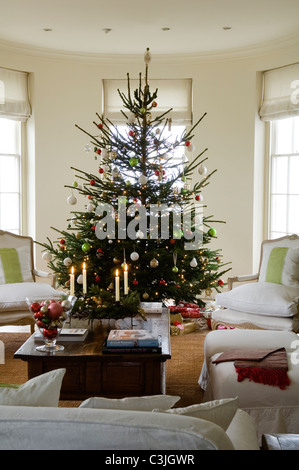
(89, 372)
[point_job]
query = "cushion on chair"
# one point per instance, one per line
(261, 298)
(280, 265)
(15, 265)
(12, 296)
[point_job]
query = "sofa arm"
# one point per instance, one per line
(243, 278)
(44, 274)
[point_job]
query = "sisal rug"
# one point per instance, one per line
(182, 371)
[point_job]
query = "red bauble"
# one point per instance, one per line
(187, 143)
(93, 228)
(154, 104)
(220, 282)
(135, 282)
(62, 241)
(50, 334)
(157, 173)
(92, 182)
(162, 282)
(197, 198)
(98, 278)
(35, 307)
(101, 170)
(172, 241)
(99, 151)
(131, 133)
(100, 126)
(55, 310)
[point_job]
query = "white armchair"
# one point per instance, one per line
(272, 301)
(18, 280)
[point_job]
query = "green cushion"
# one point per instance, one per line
(276, 264)
(9, 385)
(11, 265)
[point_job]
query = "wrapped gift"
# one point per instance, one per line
(182, 328)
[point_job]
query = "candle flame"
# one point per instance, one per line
(126, 267)
(84, 266)
(72, 270)
(116, 272)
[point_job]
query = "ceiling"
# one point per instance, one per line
(192, 26)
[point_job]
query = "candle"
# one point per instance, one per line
(126, 287)
(84, 279)
(72, 281)
(117, 286)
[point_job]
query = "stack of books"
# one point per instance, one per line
(132, 341)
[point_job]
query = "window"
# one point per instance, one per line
(284, 171)
(10, 175)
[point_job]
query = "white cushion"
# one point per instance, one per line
(12, 296)
(147, 403)
(43, 390)
(261, 298)
(220, 412)
(290, 267)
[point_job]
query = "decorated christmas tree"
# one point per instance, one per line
(143, 233)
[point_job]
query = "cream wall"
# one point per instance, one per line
(67, 90)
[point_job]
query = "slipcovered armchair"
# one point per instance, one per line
(18, 280)
(271, 300)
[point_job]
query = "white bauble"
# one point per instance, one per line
(47, 256)
(67, 262)
(131, 118)
(72, 200)
(190, 148)
(104, 153)
(90, 207)
(202, 170)
(140, 234)
(142, 179)
(80, 279)
(134, 256)
(193, 263)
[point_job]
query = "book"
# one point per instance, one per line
(128, 350)
(152, 307)
(66, 334)
(132, 339)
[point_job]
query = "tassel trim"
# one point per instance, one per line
(275, 377)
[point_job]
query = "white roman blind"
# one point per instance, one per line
(14, 96)
(280, 93)
(172, 93)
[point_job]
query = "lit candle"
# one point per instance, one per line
(126, 287)
(84, 279)
(72, 281)
(117, 286)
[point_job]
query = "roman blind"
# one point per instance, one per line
(14, 96)
(280, 93)
(172, 93)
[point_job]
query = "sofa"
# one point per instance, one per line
(274, 410)
(31, 419)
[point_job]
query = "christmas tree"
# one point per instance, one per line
(144, 232)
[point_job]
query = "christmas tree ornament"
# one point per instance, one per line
(72, 200)
(100, 253)
(134, 256)
(145, 295)
(47, 256)
(67, 262)
(187, 143)
(131, 118)
(101, 170)
(92, 182)
(193, 263)
(85, 247)
(175, 257)
(154, 263)
(75, 184)
(162, 282)
(212, 232)
(87, 148)
(175, 269)
(202, 170)
(142, 179)
(80, 279)
(133, 161)
(190, 148)
(135, 282)
(90, 207)
(199, 197)
(220, 282)
(116, 261)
